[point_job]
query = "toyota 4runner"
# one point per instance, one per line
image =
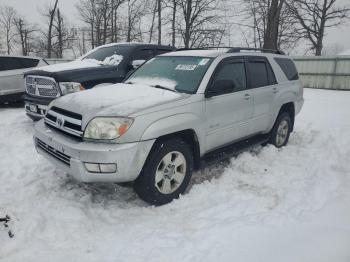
(177, 108)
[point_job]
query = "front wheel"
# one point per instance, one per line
(281, 130)
(167, 172)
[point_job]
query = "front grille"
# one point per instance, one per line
(53, 152)
(65, 121)
(42, 86)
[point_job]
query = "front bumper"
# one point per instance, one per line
(39, 103)
(69, 155)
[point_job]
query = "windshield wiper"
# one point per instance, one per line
(165, 88)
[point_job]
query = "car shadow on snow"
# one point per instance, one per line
(124, 195)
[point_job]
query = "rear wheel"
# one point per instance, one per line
(167, 172)
(281, 130)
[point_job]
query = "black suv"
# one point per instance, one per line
(107, 64)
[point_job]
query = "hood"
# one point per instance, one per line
(79, 71)
(116, 100)
(74, 65)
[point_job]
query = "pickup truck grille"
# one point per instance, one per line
(65, 159)
(42, 86)
(65, 121)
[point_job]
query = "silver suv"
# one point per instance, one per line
(176, 109)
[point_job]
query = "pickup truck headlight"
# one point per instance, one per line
(70, 87)
(107, 128)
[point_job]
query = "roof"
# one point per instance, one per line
(18, 56)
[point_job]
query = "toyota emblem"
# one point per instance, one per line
(60, 122)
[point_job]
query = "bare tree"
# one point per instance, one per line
(315, 16)
(197, 14)
(136, 9)
(159, 3)
(258, 13)
(25, 33)
(51, 15)
(7, 16)
(272, 25)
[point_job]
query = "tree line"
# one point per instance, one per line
(270, 24)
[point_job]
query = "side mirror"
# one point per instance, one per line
(220, 87)
(137, 63)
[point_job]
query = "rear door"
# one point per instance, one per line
(228, 115)
(11, 73)
(263, 86)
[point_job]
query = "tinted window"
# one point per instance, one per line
(103, 53)
(288, 67)
(258, 74)
(28, 62)
(144, 54)
(233, 71)
(162, 51)
(10, 63)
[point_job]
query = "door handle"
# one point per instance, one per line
(275, 90)
(247, 96)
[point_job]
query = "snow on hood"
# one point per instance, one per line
(113, 60)
(152, 81)
(117, 100)
(77, 64)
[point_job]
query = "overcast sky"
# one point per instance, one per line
(30, 10)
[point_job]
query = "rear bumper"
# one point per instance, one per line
(70, 155)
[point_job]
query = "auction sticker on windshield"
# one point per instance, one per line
(186, 67)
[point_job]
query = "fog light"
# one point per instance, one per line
(108, 168)
(94, 168)
(101, 168)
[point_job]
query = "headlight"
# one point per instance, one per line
(70, 87)
(107, 128)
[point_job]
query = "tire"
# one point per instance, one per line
(281, 130)
(170, 163)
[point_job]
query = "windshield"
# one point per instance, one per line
(111, 55)
(182, 74)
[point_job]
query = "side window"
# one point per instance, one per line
(162, 51)
(288, 67)
(233, 71)
(28, 62)
(10, 63)
(143, 54)
(258, 73)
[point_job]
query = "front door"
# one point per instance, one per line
(228, 115)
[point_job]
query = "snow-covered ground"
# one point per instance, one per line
(267, 204)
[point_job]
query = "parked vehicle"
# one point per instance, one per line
(106, 64)
(11, 75)
(170, 113)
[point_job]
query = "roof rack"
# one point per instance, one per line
(203, 48)
(263, 50)
(236, 49)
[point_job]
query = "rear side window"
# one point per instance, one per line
(162, 51)
(260, 73)
(143, 54)
(10, 63)
(288, 67)
(28, 63)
